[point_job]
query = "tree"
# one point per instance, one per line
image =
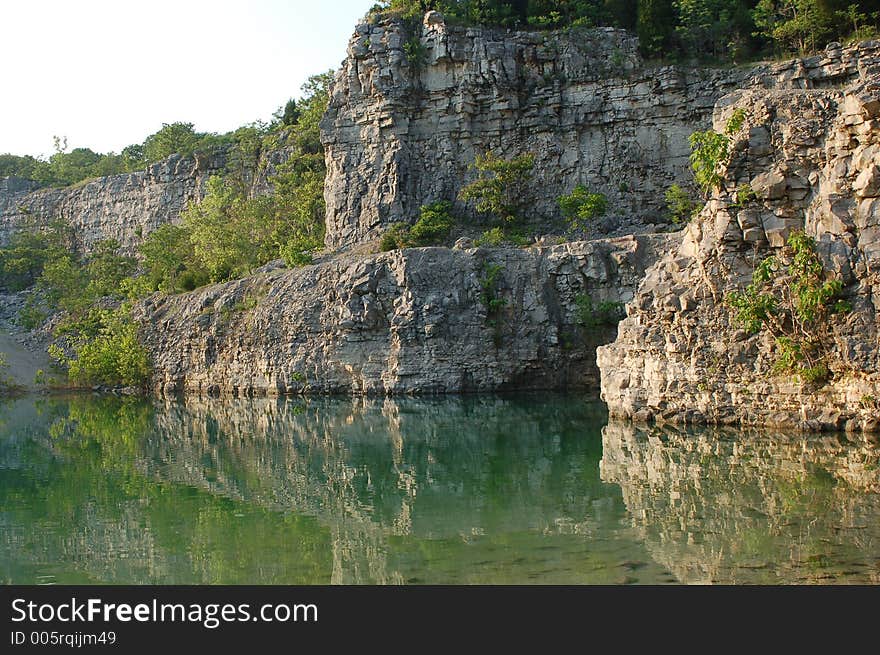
(290, 114)
(709, 150)
(794, 299)
(582, 207)
(15, 166)
(655, 26)
(793, 24)
(173, 138)
(503, 187)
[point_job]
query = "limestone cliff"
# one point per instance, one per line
(124, 207)
(411, 107)
(419, 320)
(402, 131)
(812, 157)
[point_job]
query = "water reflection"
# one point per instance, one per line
(343, 491)
(456, 490)
(722, 506)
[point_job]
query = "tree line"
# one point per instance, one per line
(66, 167)
(718, 30)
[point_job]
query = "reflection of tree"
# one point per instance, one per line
(729, 507)
(344, 490)
(77, 494)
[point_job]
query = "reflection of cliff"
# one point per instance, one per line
(330, 490)
(371, 470)
(724, 507)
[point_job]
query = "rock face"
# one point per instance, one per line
(403, 130)
(124, 207)
(427, 320)
(811, 156)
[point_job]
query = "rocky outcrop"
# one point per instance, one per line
(749, 507)
(426, 320)
(123, 207)
(411, 107)
(811, 156)
(403, 129)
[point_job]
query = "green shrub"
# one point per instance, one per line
(434, 224)
(708, 151)
(397, 236)
(494, 238)
(744, 195)
(230, 233)
(110, 354)
(606, 313)
(797, 302)
(64, 283)
(680, 205)
(170, 260)
(581, 206)
(73, 284)
(735, 122)
(105, 269)
(503, 188)
(297, 252)
(416, 52)
(29, 249)
(30, 316)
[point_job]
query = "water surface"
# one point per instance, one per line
(531, 489)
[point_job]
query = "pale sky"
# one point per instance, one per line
(107, 73)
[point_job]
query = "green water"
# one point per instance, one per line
(533, 489)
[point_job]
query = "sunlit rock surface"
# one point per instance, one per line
(408, 321)
(811, 157)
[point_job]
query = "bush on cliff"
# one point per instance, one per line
(73, 283)
(503, 188)
(29, 249)
(798, 303)
(98, 344)
(606, 313)
(103, 348)
(680, 205)
(709, 150)
(230, 232)
(582, 207)
(433, 226)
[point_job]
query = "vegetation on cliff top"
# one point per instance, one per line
(725, 30)
(230, 232)
(66, 167)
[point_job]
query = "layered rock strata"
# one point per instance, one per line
(123, 207)
(411, 107)
(811, 158)
(426, 320)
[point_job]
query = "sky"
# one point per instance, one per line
(107, 73)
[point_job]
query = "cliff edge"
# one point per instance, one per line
(810, 160)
